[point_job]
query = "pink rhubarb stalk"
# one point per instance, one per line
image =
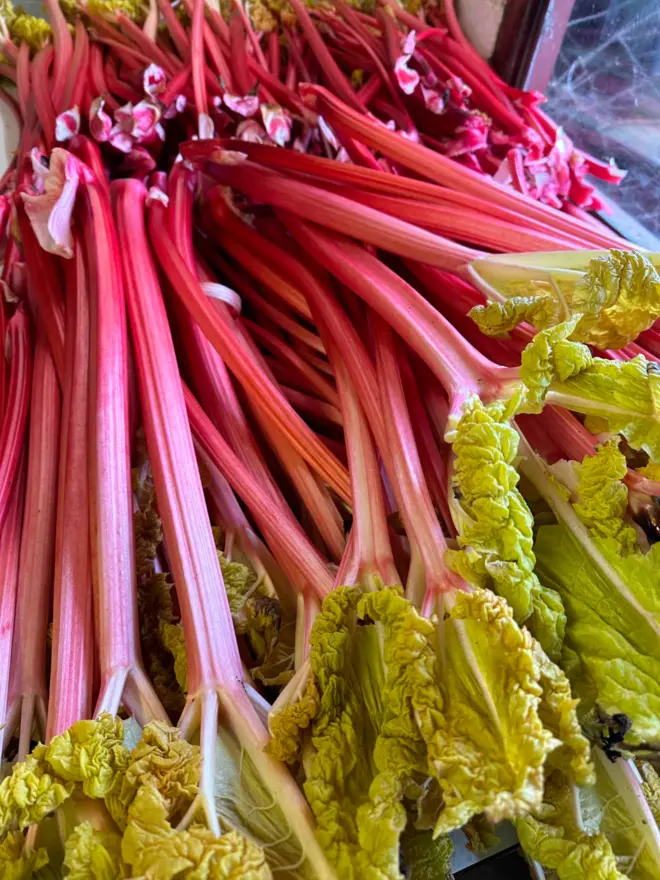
(463, 371)
(45, 288)
(370, 545)
(63, 45)
(410, 486)
(213, 659)
(259, 387)
(282, 531)
(28, 692)
(70, 696)
(123, 680)
(214, 667)
(377, 181)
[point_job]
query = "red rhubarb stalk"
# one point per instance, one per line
(270, 264)
(282, 350)
(341, 214)
(277, 523)
(10, 541)
(416, 507)
(63, 45)
(371, 544)
(431, 164)
(43, 98)
(77, 74)
(17, 349)
(378, 181)
(123, 680)
(260, 388)
(28, 693)
(214, 666)
(176, 30)
(70, 696)
(332, 73)
(45, 288)
(314, 495)
(463, 371)
(213, 658)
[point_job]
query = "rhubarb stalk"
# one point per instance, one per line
(10, 541)
(214, 666)
(261, 390)
(17, 348)
(28, 693)
(70, 695)
(113, 552)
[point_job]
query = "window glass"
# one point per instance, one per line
(605, 92)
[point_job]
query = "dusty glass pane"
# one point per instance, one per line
(605, 91)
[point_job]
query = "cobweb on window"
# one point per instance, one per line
(605, 92)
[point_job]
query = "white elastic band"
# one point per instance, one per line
(221, 292)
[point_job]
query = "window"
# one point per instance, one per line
(605, 92)
(598, 61)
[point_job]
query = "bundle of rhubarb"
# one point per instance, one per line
(329, 457)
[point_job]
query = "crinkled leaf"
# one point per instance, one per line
(483, 722)
(426, 857)
(293, 712)
(505, 714)
(239, 581)
(147, 525)
(154, 593)
(165, 761)
(619, 297)
(410, 702)
(258, 616)
(613, 625)
(154, 849)
(604, 498)
(614, 295)
(173, 639)
(342, 738)
(277, 664)
(374, 666)
(156, 609)
(612, 602)
(556, 842)
(558, 713)
(14, 864)
(625, 394)
(495, 524)
(498, 318)
(31, 792)
(34, 30)
(548, 358)
(91, 753)
(94, 855)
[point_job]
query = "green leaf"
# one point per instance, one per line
(612, 603)
(603, 498)
(495, 525)
(94, 855)
(614, 295)
(426, 857)
(556, 839)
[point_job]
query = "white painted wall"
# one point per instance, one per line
(480, 20)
